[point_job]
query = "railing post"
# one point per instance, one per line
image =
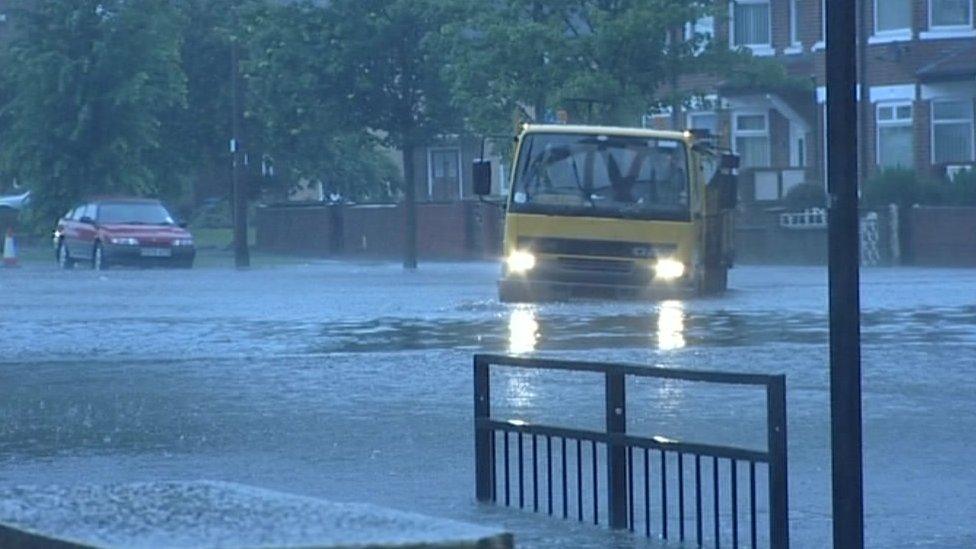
(616, 413)
(779, 527)
(483, 452)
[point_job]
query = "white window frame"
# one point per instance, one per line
(430, 170)
(759, 50)
(737, 133)
(704, 26)
(822, 43)
(948, 31)
(796, 46)
(693, 114)
(878, 124)
(970, 121)
(890, 35)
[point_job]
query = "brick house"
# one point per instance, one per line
(442, 169)
(916, 96)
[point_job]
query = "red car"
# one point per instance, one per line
(122, 231)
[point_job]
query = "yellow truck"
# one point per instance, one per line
(597, 211)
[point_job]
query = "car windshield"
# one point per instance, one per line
(604, 176)
(134, 213)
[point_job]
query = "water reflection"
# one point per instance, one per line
(671, 326)
(520, 390)
(523, 330)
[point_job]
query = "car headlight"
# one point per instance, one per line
(183, 242)
(125, 241)
(669, 269)
(520, 262)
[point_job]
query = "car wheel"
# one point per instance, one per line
(98, 258)
(64, 257)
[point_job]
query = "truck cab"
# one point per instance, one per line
(599, 211)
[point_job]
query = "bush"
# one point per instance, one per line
(904, 188)
(962, 189)
(806, 195)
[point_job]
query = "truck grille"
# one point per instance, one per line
(596, 265)
(599, 248)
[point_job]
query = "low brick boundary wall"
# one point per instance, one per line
(445, 230)
(943, 236)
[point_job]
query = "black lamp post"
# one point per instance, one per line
(844, 266)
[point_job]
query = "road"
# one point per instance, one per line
(352, 381)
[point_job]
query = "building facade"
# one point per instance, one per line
(916, 94)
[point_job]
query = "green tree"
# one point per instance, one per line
(394, 51)
(88, 85)
(604, 61)
(510, 59)
(302, 103)
(199, 132)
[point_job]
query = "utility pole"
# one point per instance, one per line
(242, 256)
(845, 309)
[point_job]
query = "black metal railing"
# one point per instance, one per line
(644, 488)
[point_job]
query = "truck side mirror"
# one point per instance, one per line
(730, 162)
(481, 177)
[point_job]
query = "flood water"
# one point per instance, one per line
(353, 382)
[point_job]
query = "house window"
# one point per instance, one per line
(750, 23)
(822, 42)
(794, 22)
(896, 142)
(657, 121)
(701, 31)
(751, 142)
(952, 131)
(892, 16)
(950, 13)
(444, 174)
(703, 121)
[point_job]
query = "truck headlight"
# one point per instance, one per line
(669, 269)
(520, 262)
(125, 241)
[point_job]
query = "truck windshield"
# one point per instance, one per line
(602, 176)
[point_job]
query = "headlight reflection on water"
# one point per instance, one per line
(523, 331)
(671, 326)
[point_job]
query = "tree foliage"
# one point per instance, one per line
(303, 103)
(907, 188)
(133, 96)
(605, 61)
(88, 85)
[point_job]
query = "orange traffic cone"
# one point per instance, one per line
(9, 250)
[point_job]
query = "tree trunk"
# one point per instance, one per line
(242, 256)
(409, 208)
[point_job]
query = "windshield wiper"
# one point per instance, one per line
(579, 185)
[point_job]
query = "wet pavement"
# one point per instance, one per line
(352, 382)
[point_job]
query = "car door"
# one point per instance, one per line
(68, 228)
(85, 232)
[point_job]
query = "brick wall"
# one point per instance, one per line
(943, 236)
(372, 230)
(454, 230)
